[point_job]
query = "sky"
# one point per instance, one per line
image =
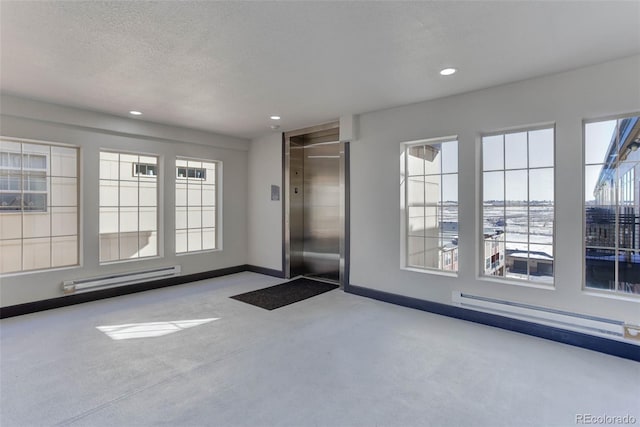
(596, 138)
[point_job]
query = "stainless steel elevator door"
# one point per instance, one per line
(321, 210)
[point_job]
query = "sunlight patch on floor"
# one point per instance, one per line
(150, 329)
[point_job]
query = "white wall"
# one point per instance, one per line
(23, 118)
(265, 215)
(564, 99)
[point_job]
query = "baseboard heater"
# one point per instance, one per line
(118, 279)
(609, 328)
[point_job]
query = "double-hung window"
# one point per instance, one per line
(128, 206)
(518, 205)
(38, 206)
(612, 205)
(196, 196)
(430, 204)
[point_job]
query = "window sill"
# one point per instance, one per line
(520, 283)
(431, 271)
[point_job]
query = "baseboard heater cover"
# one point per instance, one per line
(609, 328)
(118, 279)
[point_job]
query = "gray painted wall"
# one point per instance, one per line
(23, 118)
(565, 99)
(265, 215)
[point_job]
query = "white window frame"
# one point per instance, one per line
(159, 228)
(47, 210)
(217, 198)
(606, 293)
(404, 217)
(481, 238)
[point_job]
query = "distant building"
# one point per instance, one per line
(616, 194)
(494, 255)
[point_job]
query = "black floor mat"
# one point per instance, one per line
(286, 293)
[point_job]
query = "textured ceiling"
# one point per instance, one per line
(227, 66)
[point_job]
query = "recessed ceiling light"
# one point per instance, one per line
(447, 71)
(135, 113)
(275, 117)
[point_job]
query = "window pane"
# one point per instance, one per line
(494, 255)
(415, 251)
(128, 220)
(126, 167)
(208, 238)
(432, 159)
(64, 162)
(515, 148)
(450, 157)
(598, 141)
(210, 169)
(415, 226)
(128, 193)
(432, 253)
(492, 153)
(493, 188)
(541, 185)
(194, 194)
(208, 217)
(10, 256)
(629, 272)
(64, 251)
(148, 219)
(541, 224)
(36, 224)
(148, 244)
(108, 193)
(109, 168)
(128, 245)
(516, 227)
(36, 253)
(516, 187)
(628, 228)
(541, 148)
(415, 192)
(415, 160)
(148, 194)
(181, 241)
(64, 191)
(600, 269)
(181, 194)
(208, 195)
(450, 188)
(181, 217)
(194, 218)
(10, 225)
(194, 239)
(64, 221)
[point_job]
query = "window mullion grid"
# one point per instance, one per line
(616, 227)
(48, 185)
(21, 206)
(119, 207)
(186, 208)
(504, 208)
(406, 205)
(138, 208)
(201, 214)
(424, 207)
(441, 215)
(528, 211)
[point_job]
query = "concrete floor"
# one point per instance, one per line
(333, 360)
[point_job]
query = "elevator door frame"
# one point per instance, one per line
(344, 200)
